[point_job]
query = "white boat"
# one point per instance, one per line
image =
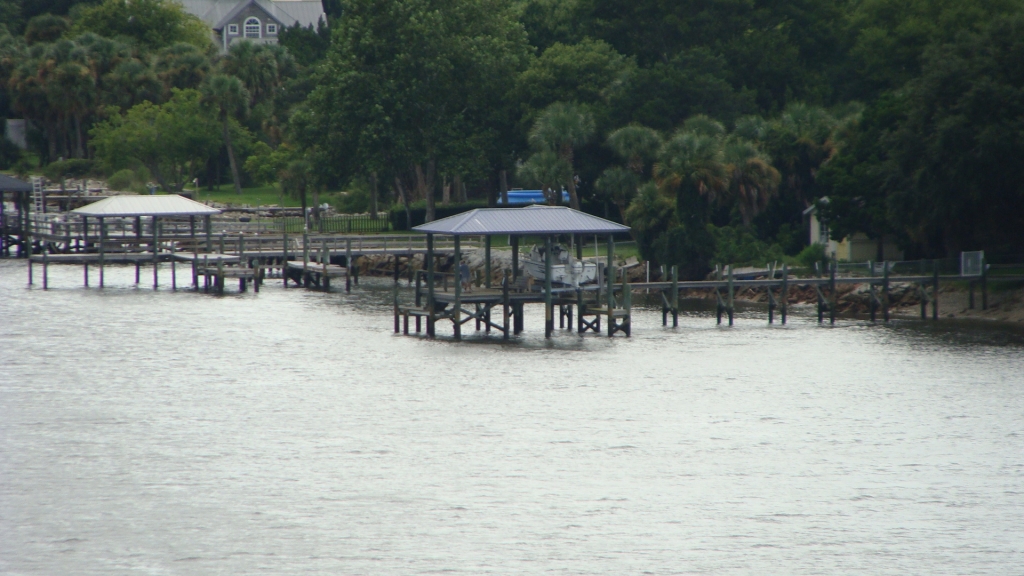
(565, 268)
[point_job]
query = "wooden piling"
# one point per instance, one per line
(174, 268)
(46, 269)
(487, 262)
(549, 321)
(515, 258)
(348, 265)
(833, 297)
(103, 244)
(504, 304)
(457, 305)
(984, 284)
(885, 291)
(209, 233)
(675, 296)
(785, 292)
(430, 286)
(138, 246)
(935, 290)
(610, 267)
(156, 251)
(732, 293)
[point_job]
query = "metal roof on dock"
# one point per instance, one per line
(9, 184)
(521, 221)
(163, 206)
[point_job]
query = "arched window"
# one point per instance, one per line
(253, 28)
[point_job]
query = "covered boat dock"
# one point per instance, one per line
(449, 302)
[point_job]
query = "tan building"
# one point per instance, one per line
(257, 21)
(855, 248)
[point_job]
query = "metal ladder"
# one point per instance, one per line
(37, 195)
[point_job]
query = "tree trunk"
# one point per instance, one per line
(405, 202)
(373, 195)
(457, 187)
(79, 142)
(880, 249)
(425, 187)
(574, 200)
(503, 186)
(446, 192)
(305, 210)
(154, 169)
(231, 158)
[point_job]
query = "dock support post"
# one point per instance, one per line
(872, 298)
(138, 247)
(785, 292)
(549, 321)
(731, 295)
(457, 305)
(675, 296)
(832, 296)
(220, 276)
(610, 267)
(209, 233)
(284, 258)
(46, 268)
(515, 258)
(192, 232)
(305, 259)
(85, 272)
(174, 268)
(156, 251)
(430, 285)
(348, 265)
(885, 291)
(487, 263)
(103, 243)
(504, 305)
(935, 290)
(325, 261)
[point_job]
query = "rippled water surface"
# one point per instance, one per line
(290, 432)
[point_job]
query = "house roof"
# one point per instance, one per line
(217, 13)
(530, 220)
(169, 205)
(9, 184)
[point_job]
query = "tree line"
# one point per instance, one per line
(709, 127)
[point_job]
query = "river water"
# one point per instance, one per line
(291, 432)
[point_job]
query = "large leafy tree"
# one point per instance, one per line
(413, 86)
(149, 24)
(173, 140)
(960, 142)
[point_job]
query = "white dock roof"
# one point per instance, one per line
(164, 205)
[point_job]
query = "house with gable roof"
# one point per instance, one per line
(257, 21)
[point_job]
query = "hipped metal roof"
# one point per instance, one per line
(169, 205)
(8, 184)
(521, 221)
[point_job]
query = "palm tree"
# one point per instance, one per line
(181, 66)
(753, 181)
(226, 95)
(296, 179)
(130, 83)
(691, 167)
(619, 185)
(256, 66)
(704, 125)
(637, 145)
(801, 142)
(561, 128)
(548, 170)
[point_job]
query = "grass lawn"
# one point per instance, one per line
(256, 196)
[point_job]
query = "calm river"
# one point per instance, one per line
(290, 432)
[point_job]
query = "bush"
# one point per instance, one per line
(738, 245)
(64, 169)
(689, 249)
(121, 180)
(811, 254)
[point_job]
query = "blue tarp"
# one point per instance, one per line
(525, 197)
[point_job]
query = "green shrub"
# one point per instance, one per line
(738, 245)
(121, 180)
(72, 168)
(811, 254)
